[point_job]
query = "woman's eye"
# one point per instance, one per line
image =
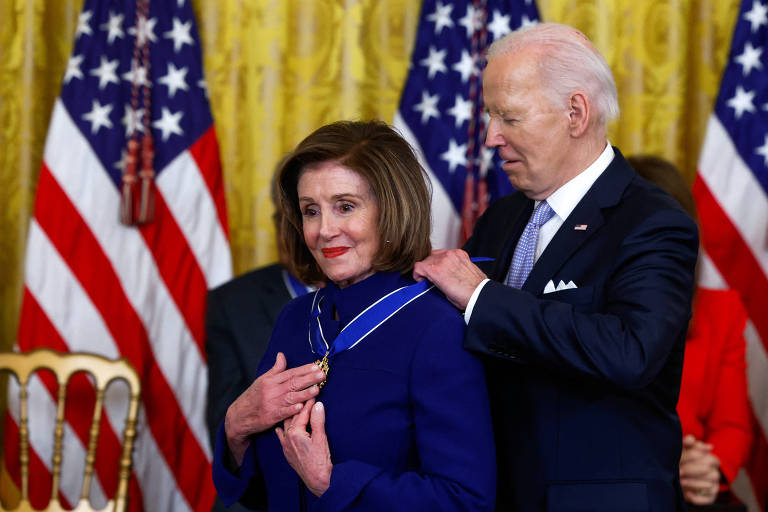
(347, 207)
(309, 212)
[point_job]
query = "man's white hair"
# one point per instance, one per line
(568, 62)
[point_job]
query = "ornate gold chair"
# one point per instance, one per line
(64, 366)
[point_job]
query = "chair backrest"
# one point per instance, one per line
(64, 366)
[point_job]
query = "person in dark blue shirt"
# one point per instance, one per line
(381, 408)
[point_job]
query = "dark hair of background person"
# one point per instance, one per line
(398, 183)
(277, 215)
(666, 176)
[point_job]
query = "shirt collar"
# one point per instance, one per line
(565, 199)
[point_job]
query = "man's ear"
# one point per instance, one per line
(580, 113)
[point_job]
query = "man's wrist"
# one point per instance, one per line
(473, 300)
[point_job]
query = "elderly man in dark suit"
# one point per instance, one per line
(584, 316)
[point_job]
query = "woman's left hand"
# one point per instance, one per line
(308, 454)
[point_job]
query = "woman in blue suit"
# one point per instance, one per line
(381, 408)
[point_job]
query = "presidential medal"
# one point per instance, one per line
(323, 364)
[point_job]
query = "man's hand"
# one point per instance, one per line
(276, 395)
(699, 472)
(308, 454)
(452, 272)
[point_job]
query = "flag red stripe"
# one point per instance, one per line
(205, 152)
(77, 246)
(732, 257)
(178, 268)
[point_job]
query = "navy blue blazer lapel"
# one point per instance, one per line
(604, 193)
(512, 233)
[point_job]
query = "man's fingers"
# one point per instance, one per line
(287, 411)
(421, 270)
(301, 377)
(418, 274)
(299, 397)
(303, 381)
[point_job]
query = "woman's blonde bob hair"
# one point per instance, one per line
(398, 184)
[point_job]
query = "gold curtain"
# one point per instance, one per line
(277, 69)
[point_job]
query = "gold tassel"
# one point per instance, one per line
(129, 183)
(146, 175)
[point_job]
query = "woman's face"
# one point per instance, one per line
(339, 215)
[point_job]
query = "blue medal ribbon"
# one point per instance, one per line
(295, 287)
(365, 322)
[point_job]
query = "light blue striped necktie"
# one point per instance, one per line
(522, 261)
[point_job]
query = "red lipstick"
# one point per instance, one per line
(333, 252)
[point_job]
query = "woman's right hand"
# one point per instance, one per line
(276, 395)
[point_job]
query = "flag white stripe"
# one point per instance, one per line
(757, 376)
(60, 296)
(69, 157)
(446, 223)
(731, 181)
(189, 200)
(742, 488)
(708, 276)
(158, 485)
(62, 299)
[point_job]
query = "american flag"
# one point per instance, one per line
(731, 192)
(441, 109)
(94, 284)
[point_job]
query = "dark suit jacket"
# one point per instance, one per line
(238, 324)
(584, 382)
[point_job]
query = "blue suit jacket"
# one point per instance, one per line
(584, 382)
(407, 414)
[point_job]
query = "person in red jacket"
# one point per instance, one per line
(713, 405)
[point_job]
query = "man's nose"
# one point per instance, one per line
(493, 137)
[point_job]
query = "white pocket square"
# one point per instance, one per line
(560, 286)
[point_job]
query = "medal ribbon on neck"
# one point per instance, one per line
(295, 287)
(362, 325)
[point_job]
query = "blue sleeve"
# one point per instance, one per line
(231, 487)
(452, 433)
(247, 486)
(624, 334)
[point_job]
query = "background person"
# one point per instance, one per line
(584, 318)
(404, 422)
(713, 405)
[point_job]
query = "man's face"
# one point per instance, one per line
(530, 132)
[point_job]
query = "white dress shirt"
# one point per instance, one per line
(562, 201)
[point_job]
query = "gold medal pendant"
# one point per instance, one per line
(323, 364)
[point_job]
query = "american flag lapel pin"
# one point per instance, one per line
(580, 227)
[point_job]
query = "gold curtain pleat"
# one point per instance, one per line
(278, 69)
